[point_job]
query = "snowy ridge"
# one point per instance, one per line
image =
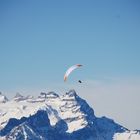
(128, 135)
(64, 107)
(54, 117)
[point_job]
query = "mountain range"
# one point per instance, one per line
(54, 117)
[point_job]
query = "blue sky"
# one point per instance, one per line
(39, 40)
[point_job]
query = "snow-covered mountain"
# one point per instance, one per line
(54, 117)
(3, 99)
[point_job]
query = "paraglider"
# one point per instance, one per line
(79, 81)
(68, 72)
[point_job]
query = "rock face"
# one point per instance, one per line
(54, 117)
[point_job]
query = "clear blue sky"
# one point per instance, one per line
(39, 40)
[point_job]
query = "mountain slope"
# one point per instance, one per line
(54, 117)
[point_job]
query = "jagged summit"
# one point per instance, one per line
(3, 99)
(71, 93)
(50, 116)
(50, 94)
(18, 97)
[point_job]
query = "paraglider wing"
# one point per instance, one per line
(70, 70)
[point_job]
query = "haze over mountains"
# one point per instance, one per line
(54, 117)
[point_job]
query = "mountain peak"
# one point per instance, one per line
(49, 95)
(71, 93)
(3, 99)
(18, 97)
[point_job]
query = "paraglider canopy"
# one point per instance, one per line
(68, 72)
